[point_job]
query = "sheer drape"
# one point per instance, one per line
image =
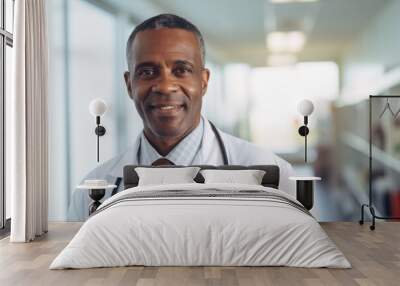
(27, 148)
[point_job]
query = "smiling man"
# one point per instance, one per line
(167, 79)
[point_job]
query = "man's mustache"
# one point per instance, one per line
(161, 99)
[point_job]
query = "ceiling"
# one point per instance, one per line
(235, 30)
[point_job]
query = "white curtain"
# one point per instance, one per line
(27, 122)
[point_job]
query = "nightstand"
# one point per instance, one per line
(305, 190)
(97, 190)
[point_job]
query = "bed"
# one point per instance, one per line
(201, 224)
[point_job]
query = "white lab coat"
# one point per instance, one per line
(239, 152)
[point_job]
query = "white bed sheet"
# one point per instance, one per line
(200, 231)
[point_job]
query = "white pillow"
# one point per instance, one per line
(248, 177)
(162, 176)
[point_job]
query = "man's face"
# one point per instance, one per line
(167, 81)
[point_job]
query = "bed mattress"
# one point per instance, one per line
(201, 225)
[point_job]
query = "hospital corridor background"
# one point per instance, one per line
(264, 57)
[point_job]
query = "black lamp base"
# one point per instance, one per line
(303, 130)
(100, 130)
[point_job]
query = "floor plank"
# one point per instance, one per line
(374, 255)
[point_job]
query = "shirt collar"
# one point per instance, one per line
(182, 154)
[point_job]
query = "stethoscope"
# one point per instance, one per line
(221, 147)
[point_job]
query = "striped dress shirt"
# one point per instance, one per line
(182, 154)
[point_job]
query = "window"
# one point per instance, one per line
(6, 43)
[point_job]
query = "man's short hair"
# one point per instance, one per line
(166, 21)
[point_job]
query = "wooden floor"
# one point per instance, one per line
(374, 255)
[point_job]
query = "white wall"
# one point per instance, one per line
(58, 179)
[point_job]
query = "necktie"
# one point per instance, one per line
(162, 162)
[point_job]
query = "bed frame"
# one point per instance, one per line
(270, 179)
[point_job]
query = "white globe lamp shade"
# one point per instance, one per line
(97, 107)
(305, 107)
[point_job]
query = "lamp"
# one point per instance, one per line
(305, 108)
(305, 185)
(97, 188)
(97, 108)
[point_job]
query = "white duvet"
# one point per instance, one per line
(189, 230)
